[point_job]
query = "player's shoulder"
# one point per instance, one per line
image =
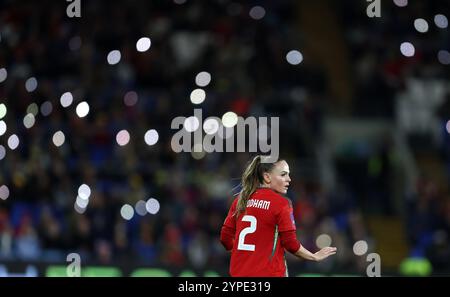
(285, 201)
(234, 200)
(280, 199)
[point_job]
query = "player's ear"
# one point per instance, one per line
(266, 176)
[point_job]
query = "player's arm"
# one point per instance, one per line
(229, 228)
(289, 239)
(318, 256)
(291, 244)
(227, 237)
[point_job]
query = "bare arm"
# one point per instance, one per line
(318, 256)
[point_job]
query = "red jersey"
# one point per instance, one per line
(257, 250)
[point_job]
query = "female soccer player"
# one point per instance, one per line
(260, 223)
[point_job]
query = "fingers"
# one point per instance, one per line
(330, 250)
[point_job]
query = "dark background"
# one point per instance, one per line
(364, 129)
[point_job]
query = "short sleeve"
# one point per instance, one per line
(230, 220)
(285, 218)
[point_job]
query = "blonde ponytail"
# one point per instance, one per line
(252, 178)
(250, 182)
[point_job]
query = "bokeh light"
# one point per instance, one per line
(198, 152)
(3, 127)
(13, 141)
(33, 109)
(130, 98)
(127, 212)
(66, 99)
(198, 96)
(75, 43)
(79, 209)
(3, 74)
(441, 21)
(123, 137)
(211, 126)
(229, 119)
(143, 44)
(82, 109)
(294, 57)
(29, 120)
(140, 208)
(203, 79)
(407, 49)
(323, 240)
(46, 108)
(31, 84)
(82, 203)
(421, 25)
(2, 152)
(151, 137)
(401, 3)
(360, 247)
(191, 124)
(113, 57)
(58, 138)
(4, 192)
(257, 12)
(84, 191)
(3, 110)
(152, 206)
(444, 57)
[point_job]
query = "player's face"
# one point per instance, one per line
(279, 177)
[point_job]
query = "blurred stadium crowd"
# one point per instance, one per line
(246, 57)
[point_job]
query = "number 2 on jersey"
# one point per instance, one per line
(248, 230)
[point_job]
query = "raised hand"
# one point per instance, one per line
(325, 253)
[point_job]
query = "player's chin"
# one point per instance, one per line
(284, 190)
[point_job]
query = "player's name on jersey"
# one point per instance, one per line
(263, 204)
